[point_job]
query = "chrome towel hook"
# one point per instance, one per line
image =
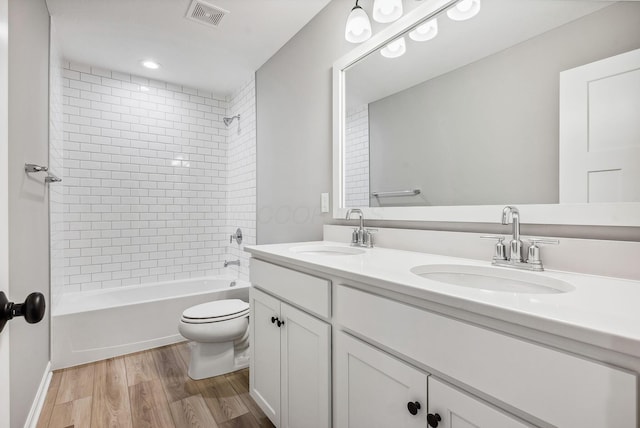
(50, 178)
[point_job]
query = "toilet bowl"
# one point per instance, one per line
(219, 335)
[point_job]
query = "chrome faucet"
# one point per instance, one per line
(515, 259)
(228, 263)
(360, 237)
(516, 244)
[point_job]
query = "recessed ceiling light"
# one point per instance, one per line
(151, 64)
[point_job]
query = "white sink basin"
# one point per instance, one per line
(493, 279)
(327, 250)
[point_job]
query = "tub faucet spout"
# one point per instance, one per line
(227, 263)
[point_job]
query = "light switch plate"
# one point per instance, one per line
(324, 202)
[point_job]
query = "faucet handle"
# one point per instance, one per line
(533, 254)
(355, 236)
(500, 238)
(500, 252)
(367, 237)
(544, 241)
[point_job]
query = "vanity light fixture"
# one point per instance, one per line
(385, 11)
(426, 31)
(394, 49)
(150, 64)
(358, 28)
(463, 10)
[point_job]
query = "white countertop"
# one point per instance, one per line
(601, 311)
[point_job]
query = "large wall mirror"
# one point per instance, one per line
(448, 117)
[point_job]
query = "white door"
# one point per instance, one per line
(376, 390)
(264, 373)
(4, 208)
(306, 374)
(451, 408)
(600, 131)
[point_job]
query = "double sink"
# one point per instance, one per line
(487, 278)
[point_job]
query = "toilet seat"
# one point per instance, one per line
(217, 311)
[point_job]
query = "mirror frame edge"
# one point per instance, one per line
(583, 214)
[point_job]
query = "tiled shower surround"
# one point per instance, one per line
(356, 157)
(241, 175)
(145, 179)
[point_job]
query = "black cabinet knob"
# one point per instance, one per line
(413, 407)
(280, 323)
(433, 419)
(32, 309)
(274, 320)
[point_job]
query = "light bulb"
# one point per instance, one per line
(466, 9)
(426, 31)
(394, 49)
(385, 11)
(151, 64)
(358, 28)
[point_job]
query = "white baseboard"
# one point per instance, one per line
(38, 401)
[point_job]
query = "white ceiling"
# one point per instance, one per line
(118, 34)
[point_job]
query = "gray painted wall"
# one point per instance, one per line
(294, 133)
(507, 108)
(294, 91)
(28, 196)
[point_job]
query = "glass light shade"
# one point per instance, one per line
(385, 11)
(466, 9)
(358, 28)
(394, 49)
(426, 31)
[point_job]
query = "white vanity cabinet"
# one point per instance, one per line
(403, 362)
(452, 408)
(374, 389)
(290, 375)
(559, 388)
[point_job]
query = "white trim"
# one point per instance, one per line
(38, 401)
(5, 373)
(605, 214)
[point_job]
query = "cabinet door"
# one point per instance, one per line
(373, 389)
(306, 356)
(459, 410)
(264, 373)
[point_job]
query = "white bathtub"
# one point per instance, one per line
(94, 325)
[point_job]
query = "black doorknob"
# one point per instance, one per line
(274, 320)
(413, 407)
(32, 309)
(433, 419)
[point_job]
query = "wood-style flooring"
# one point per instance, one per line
(148, 389)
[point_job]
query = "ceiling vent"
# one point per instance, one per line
(205, 13)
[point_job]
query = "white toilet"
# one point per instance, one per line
(219, 332)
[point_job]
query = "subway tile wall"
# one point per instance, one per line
(241, 174)
(145, 165)
(357, 157)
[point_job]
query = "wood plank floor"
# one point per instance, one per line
(149, 389)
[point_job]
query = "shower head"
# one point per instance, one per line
(227, 120)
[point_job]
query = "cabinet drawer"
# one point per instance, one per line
(559, 388)
(307, 291)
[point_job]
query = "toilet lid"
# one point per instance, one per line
(218, 310)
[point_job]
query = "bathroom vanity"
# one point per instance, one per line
(351, 337)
